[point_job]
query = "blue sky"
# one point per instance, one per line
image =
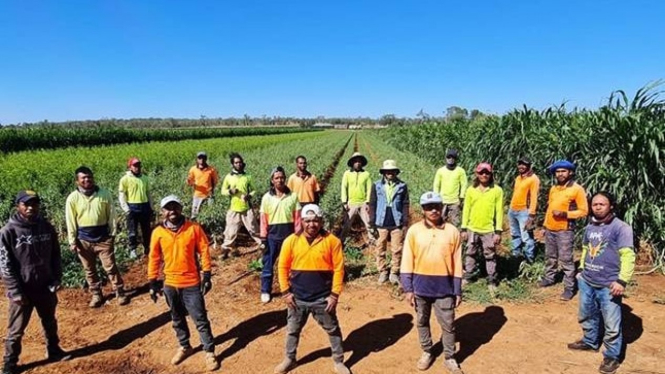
(66, 60)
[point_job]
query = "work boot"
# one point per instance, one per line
(97, 299)
(580, 346)
(545, 283)
(451, 365)
(122, 297)
(609, 366)
(394, 278)
(181, 354)
(285, 366)
(383, 277)
(567, 295)
(211, 361)
(340, 368)
(425, 361)
(56, 354)
(8, 368)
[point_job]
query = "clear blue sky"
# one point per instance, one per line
(65, 60)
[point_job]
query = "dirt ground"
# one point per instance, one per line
(378, 328)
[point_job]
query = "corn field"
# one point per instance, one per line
(619, 148)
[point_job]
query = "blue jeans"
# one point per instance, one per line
(189, 300)
(598, 305)
(269, 258)
(520, 235)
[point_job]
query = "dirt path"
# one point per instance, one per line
(377, 326)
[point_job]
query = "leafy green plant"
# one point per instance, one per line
(255, 265)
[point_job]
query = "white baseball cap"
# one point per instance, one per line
(170, 199)
(311, 210)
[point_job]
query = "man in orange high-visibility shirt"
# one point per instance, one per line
(522, 211)
(304, 184)
(176, 244)
(567, 202)
(204, 178)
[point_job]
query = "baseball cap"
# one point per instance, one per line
(524, 161)
(430, 198)
(201, 154)
(452, 153)
(170, 199)
(311, 210)
(25, 196)
(484, 166)
(132, 161)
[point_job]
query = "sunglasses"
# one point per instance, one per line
(429, 207)
(484, 172)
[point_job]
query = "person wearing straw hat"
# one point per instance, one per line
(389, 216)
(176, 247)
(203, 178)
(355, 195)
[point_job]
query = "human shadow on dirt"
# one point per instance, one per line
(117, 341)
(632, 329)
(472, 330)
(249, 330)
(374, 336)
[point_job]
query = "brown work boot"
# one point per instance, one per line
(181, 354)
(285, 366)
(97, 299)
(121, 296)
(211, 361)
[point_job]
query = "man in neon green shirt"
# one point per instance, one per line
(450, 182)
(355, 195)
(134, 196)
(239, 187)
(482, 221)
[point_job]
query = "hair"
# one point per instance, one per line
(234, 155)
(476, 182)
(278, 169)
(301, 157)
(614, 206)
(82, 170)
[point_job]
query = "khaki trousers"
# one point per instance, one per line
(396, 236)
(233, 222)
(88, 253)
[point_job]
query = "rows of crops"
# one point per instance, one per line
(17, 139)
(619, 147)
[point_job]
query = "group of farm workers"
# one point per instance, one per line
(426, 257)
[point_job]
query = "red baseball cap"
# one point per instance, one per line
(132, 161)
(484, 166)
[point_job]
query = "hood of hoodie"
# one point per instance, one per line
(18, 220)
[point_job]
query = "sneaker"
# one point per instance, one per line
(181, 354)
(425, 361)
(285, 366)
(57, 354)
(394, 278)
(567, 295)
(545, 283)
(97, 300)
(340, 368)
(609, 366)
(265, 297)
(451, 365)
(211, 361)
(383, 277)
(580, 346)
(122, 297)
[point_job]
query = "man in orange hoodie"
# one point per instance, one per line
(177, 243)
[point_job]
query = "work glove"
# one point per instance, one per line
(155, 289)
(206, 283)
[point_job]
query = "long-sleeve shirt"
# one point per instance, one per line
(90, 218)
(525, 193)
(243, 184)
(311, 271)
(280, 215)
(203, 180)
(178, 252)
(570, 198)
(450, 184)
(483, 210)
(432, 261)
(356, 187)
(608, 253)
(134, 189)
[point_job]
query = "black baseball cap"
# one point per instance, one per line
(25, 196)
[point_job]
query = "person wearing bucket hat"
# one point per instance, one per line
(31, 269)
(450, 182)
(523, 208)
(566, 203)
(389, 214)
(177, 246)
(482, 223)
(203, 178)
(135, 201)
(431, 275)
(356, 191)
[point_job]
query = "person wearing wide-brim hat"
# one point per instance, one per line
(356, 190)
(389, 215)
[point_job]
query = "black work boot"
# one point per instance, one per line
(55, 354)
(8, 368)
(609, 366)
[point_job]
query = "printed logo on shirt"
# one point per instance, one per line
(4, 261)
(30, 239)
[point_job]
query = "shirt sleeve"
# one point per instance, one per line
(203, 248)
(463, 183)
(190, 177)
(264, 217)
(111, 215)
(284, 264)
(250, 186)
(70, 219)
(436, 186)
(626, 253)
(406, 267)
(215, 179)
(155, 256)
(368, 188)
(465, 212)
(498, 211)
(458, 265)
(225, 186)
(345, 186)
(9, 265)
(582, 205)
(534, 191)
(338, 268)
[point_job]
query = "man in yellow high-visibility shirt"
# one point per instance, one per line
(134, 196)
(450, 182)
(355, 194)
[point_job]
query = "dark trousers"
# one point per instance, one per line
(444, 311)
(296, 319)
(183, 301)
(19, 316)
(269, 258)
(135, 219)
